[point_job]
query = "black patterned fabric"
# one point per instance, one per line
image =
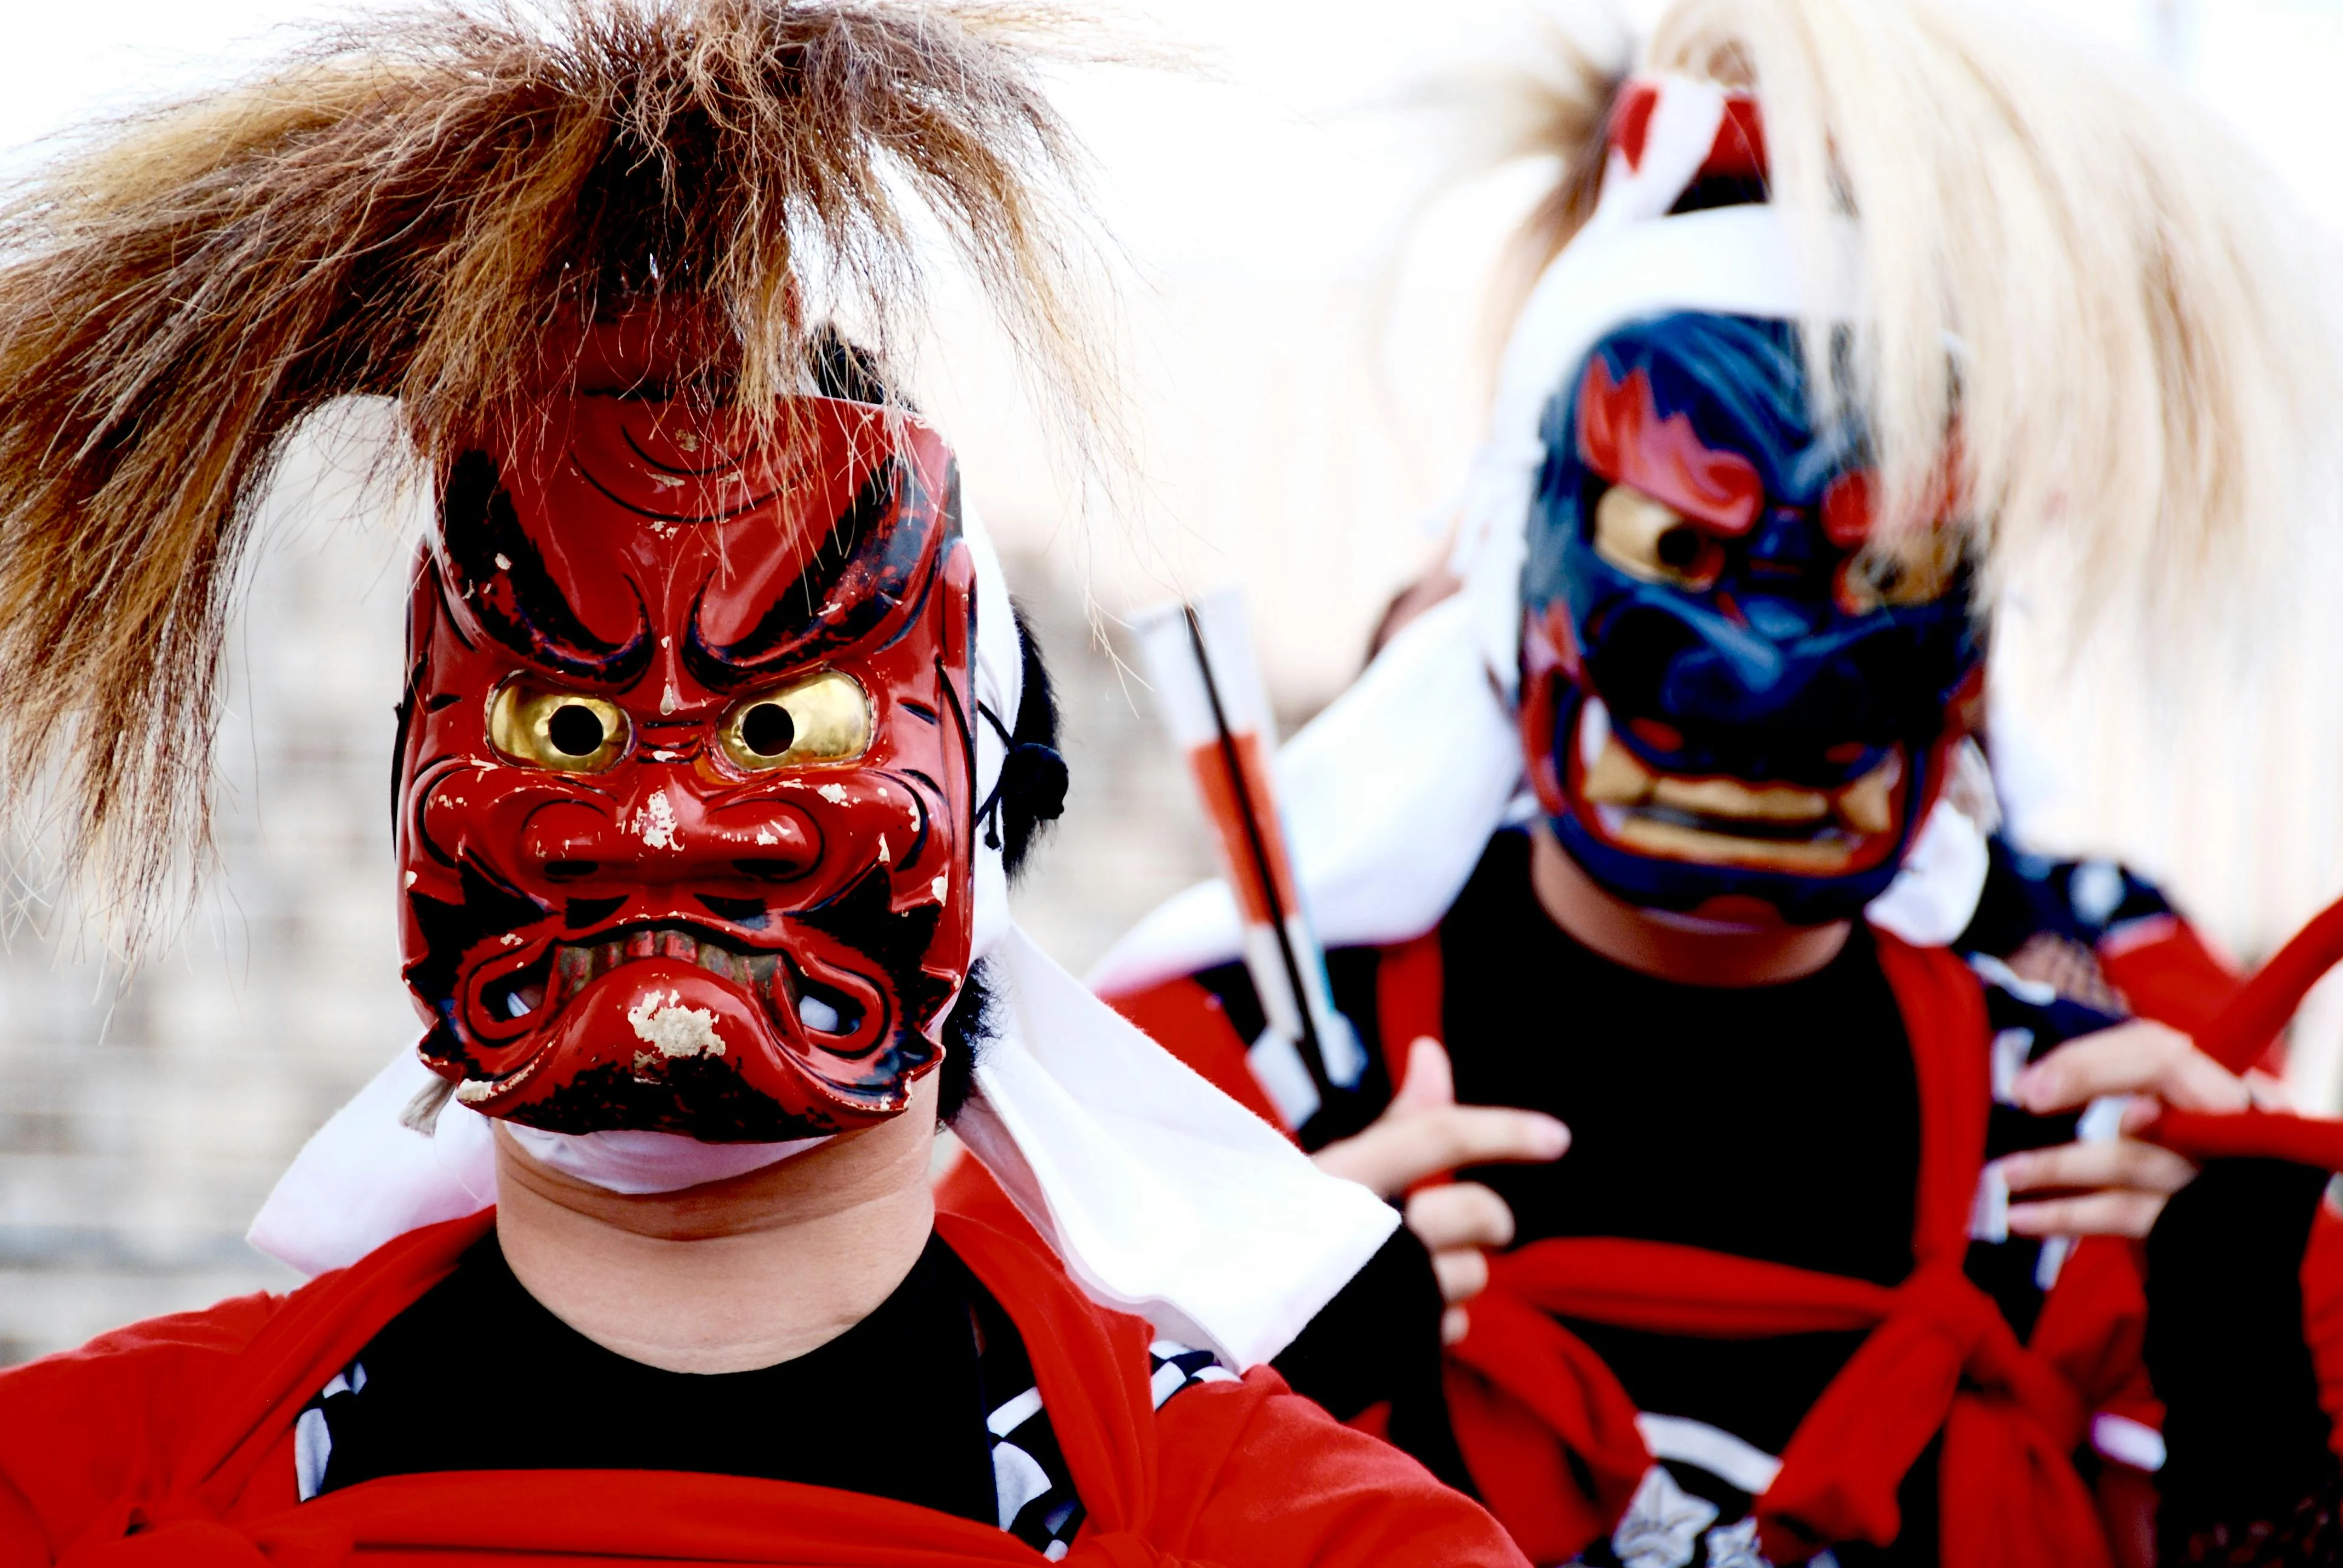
(2027, 896)
(930, 1399)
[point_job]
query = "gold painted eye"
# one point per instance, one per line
(1649, 539)
(568, 731)
(824, 719)
(1918, 572)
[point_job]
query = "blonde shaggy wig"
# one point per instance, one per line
(426, 205)
(2084, 301)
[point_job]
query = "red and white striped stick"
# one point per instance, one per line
(1200, 659)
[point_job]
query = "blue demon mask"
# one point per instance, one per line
(1730, 710)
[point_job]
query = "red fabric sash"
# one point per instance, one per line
(219, 1503)
(1938, 1355)
(1538, 1412)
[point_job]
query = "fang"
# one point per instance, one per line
(1616, 778)
(1864, 805)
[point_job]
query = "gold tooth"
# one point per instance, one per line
(1674, 842)
(1617, 778)
(1864, 805)
(1750, 802)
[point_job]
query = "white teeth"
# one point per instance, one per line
(815, 1013)
(1593, 731)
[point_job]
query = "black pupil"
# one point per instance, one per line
(1679, 548)
(766, 729)
(575, 730)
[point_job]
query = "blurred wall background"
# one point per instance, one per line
(1304, 350)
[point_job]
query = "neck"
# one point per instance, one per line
(732, 1275)
(1673, 947)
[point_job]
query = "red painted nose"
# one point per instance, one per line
(664, 832)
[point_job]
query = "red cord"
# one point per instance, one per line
(2237, 1038)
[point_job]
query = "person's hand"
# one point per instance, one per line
(1425, 1133)
(2116, 1187)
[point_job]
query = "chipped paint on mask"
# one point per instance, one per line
(654, 824)
(674, 1030)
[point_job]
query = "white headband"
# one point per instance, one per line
(1165, 1198)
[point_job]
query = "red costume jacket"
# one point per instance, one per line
(171, 1443)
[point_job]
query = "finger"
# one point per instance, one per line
(1460, 1214)
(2269, 1093)
(1455, 1324)
(1403, 1149)
(1429, 1080)
(2120, 1162)
(2196, 1082)
(2094, 1214)
(2126, 1060)
(2130, 1058)
(1462, 1273)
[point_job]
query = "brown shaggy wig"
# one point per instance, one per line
(425, 206)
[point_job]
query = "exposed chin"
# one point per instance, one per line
(664, 1044)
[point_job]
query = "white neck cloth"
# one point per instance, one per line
(1164, 1197)
(1383, 836)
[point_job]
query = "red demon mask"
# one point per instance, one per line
(684, 763)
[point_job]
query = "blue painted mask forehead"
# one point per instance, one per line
(1740, 383)
(1758, 713)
